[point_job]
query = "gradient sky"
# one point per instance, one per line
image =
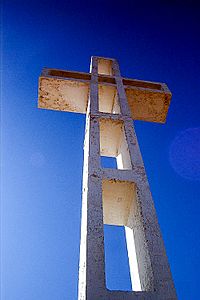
(42, 151)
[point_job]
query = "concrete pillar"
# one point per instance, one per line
(118, 197)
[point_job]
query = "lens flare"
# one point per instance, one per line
(184, 154)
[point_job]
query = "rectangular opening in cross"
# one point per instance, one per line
(105, 66)
(119, 203)
(113, 142)
(108, 162)
(116, 259)
(108, 99)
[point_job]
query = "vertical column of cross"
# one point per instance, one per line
(139, 262)
(91, 269)
(135, 229)
(154, 271)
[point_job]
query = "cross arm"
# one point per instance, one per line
(69, 91)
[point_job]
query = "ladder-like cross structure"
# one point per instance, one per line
(114, 196)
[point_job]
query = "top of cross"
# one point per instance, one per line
(69, 91)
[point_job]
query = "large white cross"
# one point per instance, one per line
(114, 196)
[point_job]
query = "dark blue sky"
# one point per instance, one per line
(42, 152)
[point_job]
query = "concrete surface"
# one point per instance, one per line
(114, 196)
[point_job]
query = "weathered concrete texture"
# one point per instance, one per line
(154, 106)
(114, 196)
(63, 95)
(68, 91)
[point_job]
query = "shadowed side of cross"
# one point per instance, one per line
(69, 91)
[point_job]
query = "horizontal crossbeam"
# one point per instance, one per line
(68, 91)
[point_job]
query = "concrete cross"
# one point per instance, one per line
(114, 196)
